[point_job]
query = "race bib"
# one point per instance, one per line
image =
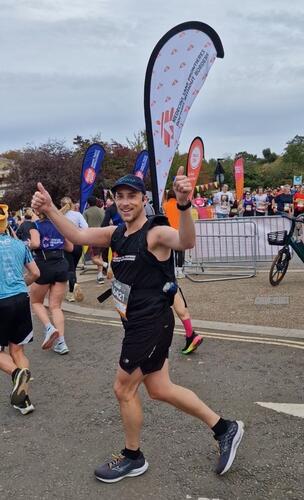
(248, 208)
(286, 207)
(120, 294)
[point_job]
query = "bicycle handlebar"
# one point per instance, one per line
(292, 218)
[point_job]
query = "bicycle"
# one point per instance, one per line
(286, 239)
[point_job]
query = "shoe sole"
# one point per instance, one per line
(49, 343)
(194, 345)
(20, 388)
(235, 444)
(132, 473)
(62, 353)
(25, 411)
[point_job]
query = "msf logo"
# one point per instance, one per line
(167, 127)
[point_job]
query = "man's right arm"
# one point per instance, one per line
(42, 202)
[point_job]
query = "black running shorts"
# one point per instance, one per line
(146, 344)
(52, 271)
(15, 320)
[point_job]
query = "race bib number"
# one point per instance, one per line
(120, 294)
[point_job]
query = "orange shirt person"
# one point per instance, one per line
(171, 209)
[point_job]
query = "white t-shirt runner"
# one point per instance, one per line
(223, 202)
(261, 202)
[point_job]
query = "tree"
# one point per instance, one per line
(53, 164)
(294, 151)
(269, 156)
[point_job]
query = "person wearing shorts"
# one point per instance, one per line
(16, 329)
(50, 259)
(143, 292)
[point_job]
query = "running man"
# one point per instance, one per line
(143, 268)
(16, 329)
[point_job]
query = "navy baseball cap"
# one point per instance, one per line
(131, 181)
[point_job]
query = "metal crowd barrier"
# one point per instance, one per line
(231, 248)
(225, 249)
(264, 225)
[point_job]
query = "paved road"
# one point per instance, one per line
(52, 453)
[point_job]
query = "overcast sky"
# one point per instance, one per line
(71, 67)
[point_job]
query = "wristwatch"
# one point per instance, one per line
(184, 207)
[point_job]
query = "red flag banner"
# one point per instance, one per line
(176, 71)
(239, 178)
(194, 162)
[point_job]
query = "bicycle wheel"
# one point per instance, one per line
(279, 267)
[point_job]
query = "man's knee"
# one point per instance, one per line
(15, 349)
(122, 391)
(159, 393)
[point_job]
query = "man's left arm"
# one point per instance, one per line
(184, 238)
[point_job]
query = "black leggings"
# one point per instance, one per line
(179, 258)
(73, 259)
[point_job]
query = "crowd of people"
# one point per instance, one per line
(145, 251)
(260, 202)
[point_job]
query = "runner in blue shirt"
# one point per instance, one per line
(16, 328)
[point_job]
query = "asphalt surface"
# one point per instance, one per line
(235, 301)
(52, 453)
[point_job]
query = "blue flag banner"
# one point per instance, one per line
(142, 164)
(91, 166)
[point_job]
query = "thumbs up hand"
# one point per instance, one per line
(41, 201)
(182, 187)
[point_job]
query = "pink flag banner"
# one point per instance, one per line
(239, 178)
(194, 162)
(176, 71)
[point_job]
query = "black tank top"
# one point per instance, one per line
(133, 264)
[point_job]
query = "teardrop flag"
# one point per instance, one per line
(91, 166)
(141, 166)
(176, 71)
(194, 162)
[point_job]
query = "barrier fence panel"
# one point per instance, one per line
(265, 225)
(224, 247)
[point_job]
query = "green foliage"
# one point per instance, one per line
(59, 167)
(294, 152)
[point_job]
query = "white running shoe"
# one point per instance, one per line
(70, 297)
(60, 347)
(179, 273)
(100, 278)
(51, 334)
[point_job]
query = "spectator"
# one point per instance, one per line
(94, 217)
(172, 213)
(261, 203)
(298, 201)
(223, 201)
(248, 205)
(284, 202)
(68, 209)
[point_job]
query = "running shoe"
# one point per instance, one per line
(60, 347)
(25, 407)
(70, 297)
(192, 343)
(78, 293)
(179, 273)
(228, 444)
(20, 388)
(100, 278)
(50, 335)
(120, 467)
